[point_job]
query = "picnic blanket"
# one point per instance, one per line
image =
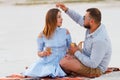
(73, 77)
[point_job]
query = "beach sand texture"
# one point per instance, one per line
(20, 26)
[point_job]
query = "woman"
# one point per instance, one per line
(53, 43)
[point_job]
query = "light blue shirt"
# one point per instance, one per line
(96, 52)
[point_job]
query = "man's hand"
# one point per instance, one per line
(80, 46)
(62, 6)
(73, 49)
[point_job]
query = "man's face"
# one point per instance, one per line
(87, 21)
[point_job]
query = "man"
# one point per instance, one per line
(94, 58)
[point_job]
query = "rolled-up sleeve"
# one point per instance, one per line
(97, 54)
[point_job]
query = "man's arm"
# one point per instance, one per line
(75, 16)
(97, 55)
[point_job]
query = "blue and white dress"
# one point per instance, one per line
(49, 65)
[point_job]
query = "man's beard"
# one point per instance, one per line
(87, 26)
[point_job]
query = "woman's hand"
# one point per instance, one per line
(44, 53)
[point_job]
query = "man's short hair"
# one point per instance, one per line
(95, 14)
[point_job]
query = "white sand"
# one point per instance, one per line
(20, 25)
(110, 76)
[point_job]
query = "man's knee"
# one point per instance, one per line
(62, 62)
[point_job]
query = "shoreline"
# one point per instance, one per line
(42, 2)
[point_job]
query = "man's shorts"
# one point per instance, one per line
(89, 72)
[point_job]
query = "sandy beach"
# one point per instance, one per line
(20, 26)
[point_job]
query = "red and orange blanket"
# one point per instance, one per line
(19, 77)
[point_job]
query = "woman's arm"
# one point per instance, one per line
(41, 44)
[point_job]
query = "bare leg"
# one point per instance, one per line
(70, 63)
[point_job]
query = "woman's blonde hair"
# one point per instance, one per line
(50, 22)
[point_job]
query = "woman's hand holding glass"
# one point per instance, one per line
(46, 52)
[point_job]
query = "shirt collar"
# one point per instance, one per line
(95, 32)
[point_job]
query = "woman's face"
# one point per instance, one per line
(59, 19)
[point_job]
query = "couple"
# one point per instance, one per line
(58, 58)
